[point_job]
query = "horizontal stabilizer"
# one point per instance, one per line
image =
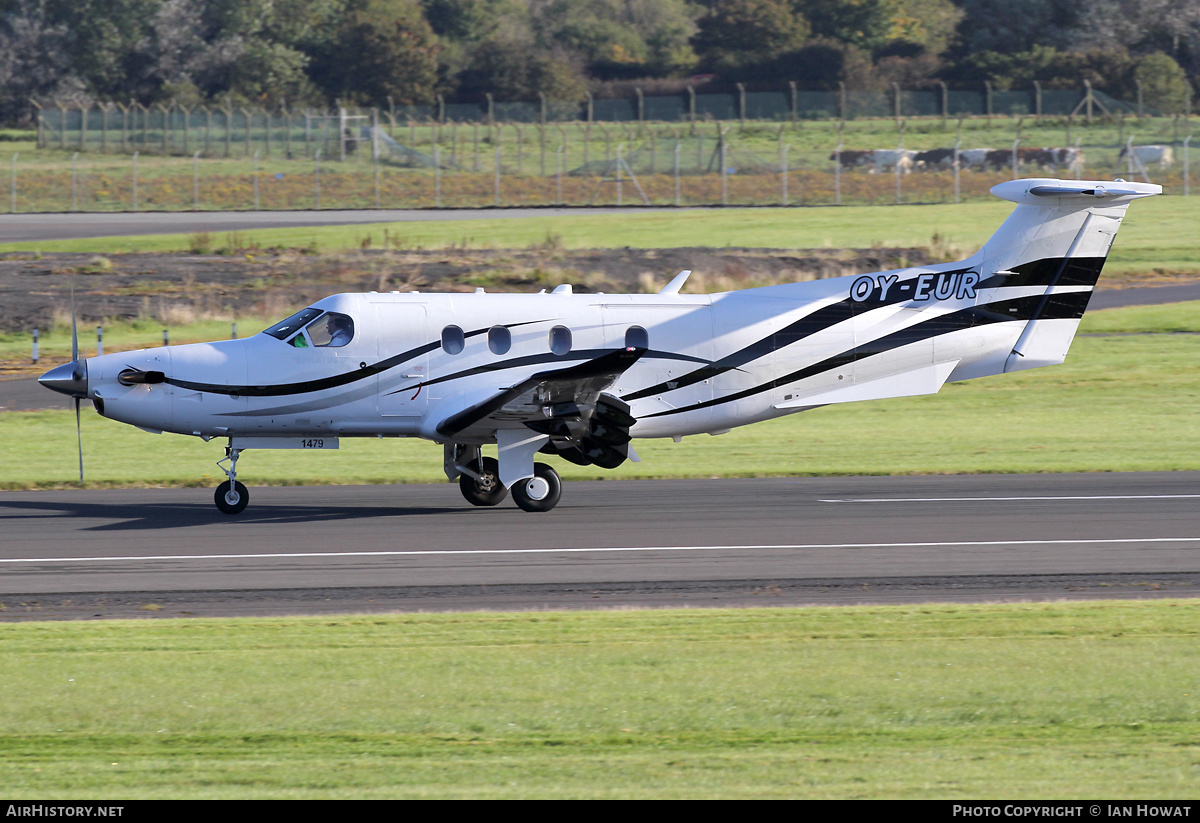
(924, 380)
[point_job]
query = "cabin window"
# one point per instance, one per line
(499, 339)
(637, 338)
(453, 340)
(332, 330)
(560, 340)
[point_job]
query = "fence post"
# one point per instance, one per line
(591, 107)
(842, 101)
(558, 165)
(837, 171)
(437, 176)
(1037, 97)
(166, 148)
(83, 118)
(641, 106)
(228, 130)
(496, 180)
(74, 181)
(741, 105)
(256, 180)
(795, 103)
(896, 92)
(41, 124)
(317, 180)
(620, 149)
(987, 91)
(13, 181)
(491, 111)
(957, 146)
(724, 170)
(691, 105)
(196, 181)
(945, 103)
(186, 117)
(783, 168)
(135, 191)
(1186, 182)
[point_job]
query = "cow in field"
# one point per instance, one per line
(934, 159)
(1162, 156)
(850, 159)
(973, 158)
(899, 160)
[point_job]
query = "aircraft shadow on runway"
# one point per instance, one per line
(189, 515)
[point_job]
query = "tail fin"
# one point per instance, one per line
(1055, 242)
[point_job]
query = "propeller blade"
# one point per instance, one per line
(74, 329)
(79, 439)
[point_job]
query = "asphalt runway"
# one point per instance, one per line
(754, 542)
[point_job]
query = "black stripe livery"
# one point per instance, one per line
(1061, 306)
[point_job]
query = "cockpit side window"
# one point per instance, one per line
(285, 329)
(332, 330)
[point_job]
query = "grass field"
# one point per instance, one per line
(1122, 402)
(1158, 234)
(1064, 701)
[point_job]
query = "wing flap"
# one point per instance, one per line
(924, 380)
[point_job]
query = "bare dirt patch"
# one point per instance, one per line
(35, 291)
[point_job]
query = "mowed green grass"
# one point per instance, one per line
(1125, 400)
(1055, 700)
(1158, 233)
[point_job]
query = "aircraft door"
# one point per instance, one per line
(403, 336)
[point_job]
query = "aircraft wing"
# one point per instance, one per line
(554, 402)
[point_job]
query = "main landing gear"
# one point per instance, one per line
(479, 482)
(231, 496)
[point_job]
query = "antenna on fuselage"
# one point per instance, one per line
(677, 283)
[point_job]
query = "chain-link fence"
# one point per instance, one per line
(234, 132)
(458, 165)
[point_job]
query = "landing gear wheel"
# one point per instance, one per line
(231, 498)
(539, 493)
(488, 490)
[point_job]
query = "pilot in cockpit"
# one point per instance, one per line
(338, 326)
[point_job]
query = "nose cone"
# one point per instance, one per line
(69, 378)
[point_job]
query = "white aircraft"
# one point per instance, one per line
(578, 376)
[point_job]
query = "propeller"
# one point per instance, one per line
(71, 378)
(78, 371)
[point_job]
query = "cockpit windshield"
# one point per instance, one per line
(312, 327)
(297, 321)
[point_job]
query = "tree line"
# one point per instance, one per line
(313, 53)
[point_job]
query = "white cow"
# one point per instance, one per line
(973, 158)
(893, 160)
(1162, 156)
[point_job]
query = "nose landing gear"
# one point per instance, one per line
(231, 496)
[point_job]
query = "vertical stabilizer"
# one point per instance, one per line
(1053, 247)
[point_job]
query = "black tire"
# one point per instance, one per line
(240, 498)
(521, 489)
(490, 491)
